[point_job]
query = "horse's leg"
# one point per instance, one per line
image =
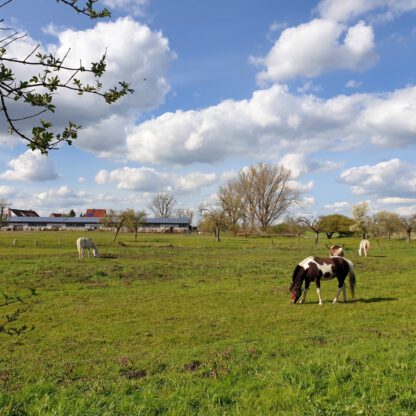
(344, 292)
(307, 283)
(318, 291)
(340, 288)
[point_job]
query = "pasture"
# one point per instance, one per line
(181, 325)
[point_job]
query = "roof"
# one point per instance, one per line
(23, 212)
(167, 221)
(95, 212)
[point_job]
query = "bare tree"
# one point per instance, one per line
(184, 213)
(314, 223)
(134, 220)
(266, 192)
(115, 219)
(162, 205)
(231, 202)
(296, 227)
(408, 223)
(35, 95)
(3, 212)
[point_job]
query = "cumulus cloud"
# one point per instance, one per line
(390, 118)
(315, 47)
(149, 180)
(342, 10)
(30, 166)
(272, 123)
(301, 163)
(390, 178)
(134, 53)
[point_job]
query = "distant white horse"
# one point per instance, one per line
(86, 244)
(364, 247)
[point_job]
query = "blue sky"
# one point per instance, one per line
(327, 88)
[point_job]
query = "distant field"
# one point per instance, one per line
(181, 325)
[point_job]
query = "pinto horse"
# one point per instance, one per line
(315, 269)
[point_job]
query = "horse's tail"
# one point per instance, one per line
(351, 275)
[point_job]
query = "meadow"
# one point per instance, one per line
(181, 325)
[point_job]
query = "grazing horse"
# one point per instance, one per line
(83, 244)
(336, 251)
(315, 269)
(364, 247)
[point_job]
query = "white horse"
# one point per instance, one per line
(364, 247)
(83, 244)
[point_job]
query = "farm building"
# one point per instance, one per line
(12, 212)
(95, 212)
(91, 223)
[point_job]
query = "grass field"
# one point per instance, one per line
(181, 325)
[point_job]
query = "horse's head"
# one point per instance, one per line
(336, 251)
(295, 293)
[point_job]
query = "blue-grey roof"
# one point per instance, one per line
(183, 220)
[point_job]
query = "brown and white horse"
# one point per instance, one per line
(315, 269)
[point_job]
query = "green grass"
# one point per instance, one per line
(181, 325)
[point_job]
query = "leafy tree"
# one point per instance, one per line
(34, 96)
(213, 219)
(134, 219)
(3, 211)
(361, 219)
(385, 222)
(335, 223)
(162, 205)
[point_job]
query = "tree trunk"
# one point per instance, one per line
(217, 235)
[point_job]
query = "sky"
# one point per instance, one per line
(326, 88)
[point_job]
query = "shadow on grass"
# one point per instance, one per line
(373, 300)
(340, 302)
(108, 256)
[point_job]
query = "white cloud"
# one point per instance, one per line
(6, 191)
(390, 178)
(149, 180)
(390, 119)
(337, 206)
(342, 10)
(301, 163)
(30, 166)
(313, 48)
(352, 83)
(396, 200)
(275, 122)
(135, 7)
(134, 53)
